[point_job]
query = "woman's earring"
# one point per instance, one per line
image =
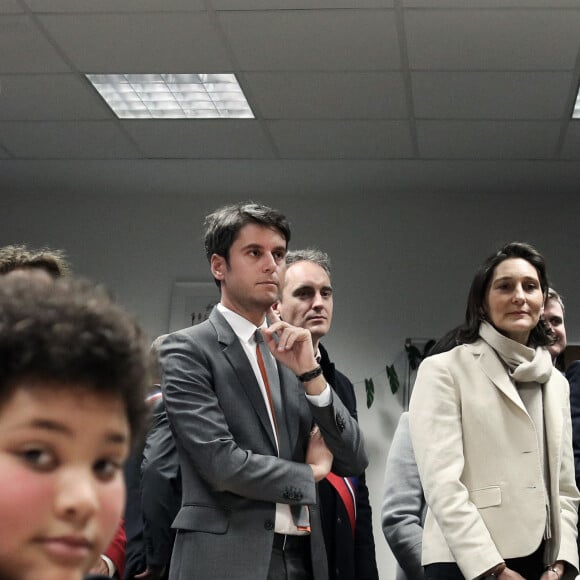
(482, 314)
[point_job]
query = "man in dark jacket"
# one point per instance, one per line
(153, 491)
(307, 301)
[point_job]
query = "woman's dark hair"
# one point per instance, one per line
(468, 332)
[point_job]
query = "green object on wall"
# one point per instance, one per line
(393, 378)
(370, 390)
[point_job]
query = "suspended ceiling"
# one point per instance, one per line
(350, 96)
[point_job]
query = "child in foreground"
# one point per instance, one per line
(73, 371)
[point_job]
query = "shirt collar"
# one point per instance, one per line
(242, 327)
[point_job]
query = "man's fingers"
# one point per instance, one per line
(272, 316)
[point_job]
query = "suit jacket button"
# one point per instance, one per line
(269, 525)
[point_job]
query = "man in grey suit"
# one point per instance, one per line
(255, 428)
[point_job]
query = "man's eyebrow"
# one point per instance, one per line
(257, 246)
(302, 287)
(306, 286)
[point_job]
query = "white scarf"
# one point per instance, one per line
(525, 364)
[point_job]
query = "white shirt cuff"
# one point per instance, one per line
(322, 400)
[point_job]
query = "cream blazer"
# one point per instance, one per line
(478, 458)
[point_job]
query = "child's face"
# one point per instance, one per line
(61, 455)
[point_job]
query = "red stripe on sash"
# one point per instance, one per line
(346, 493)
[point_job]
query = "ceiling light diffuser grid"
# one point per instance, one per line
(576, 111)
(173, 96)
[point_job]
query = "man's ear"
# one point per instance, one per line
(218, 266)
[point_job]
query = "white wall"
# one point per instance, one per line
(402, 268)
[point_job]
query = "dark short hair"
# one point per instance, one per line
(468, 332)
(313, 255)
(224, 224)
(70, 332)
(19, 257)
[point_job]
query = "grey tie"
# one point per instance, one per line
(272, 381)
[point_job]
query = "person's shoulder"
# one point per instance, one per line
(460, 358)
(457, 352)
(573, 371)
(342, 377)
(343, 382)
(205, 328)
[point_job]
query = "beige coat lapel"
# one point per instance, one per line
(493, 367)
(554, 424)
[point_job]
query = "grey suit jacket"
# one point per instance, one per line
(231, 475)
(404, 506)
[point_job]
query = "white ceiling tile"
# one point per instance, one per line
(313, 40)
(299, 4)
(70, 140)
(10, 7)
(491, 4)
(493, 39)
(487, 140)
(328, 95)
(491, 95)
(571, 146)
(201, 139)
(25, 49)
(48, 6)
(139, 43)
(49, 98)
(341, 140)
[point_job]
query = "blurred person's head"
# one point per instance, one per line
(554, 319)
(19, 258)
(73, 371)
(154, 361)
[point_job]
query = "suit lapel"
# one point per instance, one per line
(554, 424)
(236, 356)
(496, 373)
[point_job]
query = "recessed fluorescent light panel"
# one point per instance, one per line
(576, 112)
(173, 96)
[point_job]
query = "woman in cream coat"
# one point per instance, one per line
(490, 424)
